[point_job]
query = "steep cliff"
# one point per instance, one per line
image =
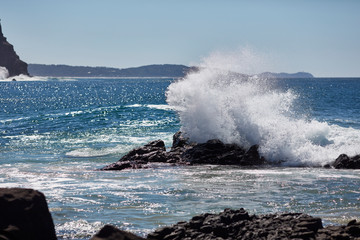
(9, 59)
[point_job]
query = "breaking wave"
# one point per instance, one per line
(217, 102)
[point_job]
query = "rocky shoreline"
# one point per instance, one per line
(238, 224)
(184, 152)
(24, 214)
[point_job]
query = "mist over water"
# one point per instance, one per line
(217, 102)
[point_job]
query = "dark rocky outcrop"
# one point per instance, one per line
(109, 232)
(216, 152)
(346, 162)
(9, 59)
(152, 152)
(183, 152)
(24, 214)
(238, 224)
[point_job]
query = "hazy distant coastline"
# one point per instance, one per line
(160, 70)
(156, 70)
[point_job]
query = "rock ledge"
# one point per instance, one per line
(185, 153)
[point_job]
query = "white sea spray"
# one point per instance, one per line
(219, 102)
(4, 73)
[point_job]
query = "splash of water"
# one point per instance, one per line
(4, 73)
(4, 76)
(216, 102)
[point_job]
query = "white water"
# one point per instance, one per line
(217, 103)
(4, 73)
(4, 77)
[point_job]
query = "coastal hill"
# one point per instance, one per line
(156, 70)
(159, 70)
(9, 59)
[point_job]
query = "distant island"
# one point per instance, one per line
(285, 75)
(155, 70)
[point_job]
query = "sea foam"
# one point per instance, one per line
(216, 102)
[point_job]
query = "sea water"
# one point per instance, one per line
(56, 132)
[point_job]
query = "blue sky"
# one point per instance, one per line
(317, 36)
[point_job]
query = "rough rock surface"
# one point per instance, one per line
(183, 152)
(344, 161)
(152, 152)
(238, 224)
(9, 59)
(216, 152)
(24, 214)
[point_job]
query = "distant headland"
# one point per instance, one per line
(155, 70)
(286, 75)
(9, 59)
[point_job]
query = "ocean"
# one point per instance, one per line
(56, 132)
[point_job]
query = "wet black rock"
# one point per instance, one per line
(184, 152)
(238, 224)
(152, 152)
(179, 141)
(346, 162)
(216, 152)
(109, 232)
(24, 214)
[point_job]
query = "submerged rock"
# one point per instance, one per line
(184, 152)
(344, 161)
(24, 214)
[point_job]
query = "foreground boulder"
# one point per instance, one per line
(184, 152)
(238, 224)
(346, 162)
(24, 214)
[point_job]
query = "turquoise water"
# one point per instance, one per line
(55, 133)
